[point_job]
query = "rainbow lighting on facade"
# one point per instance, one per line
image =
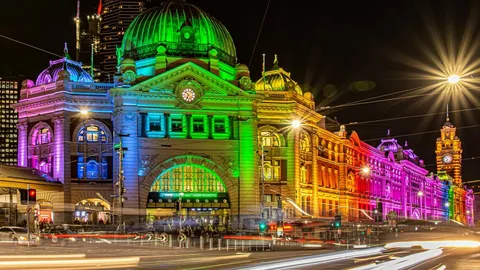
(199, 129)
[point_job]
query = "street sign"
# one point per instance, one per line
(392, 215)
(29, 209)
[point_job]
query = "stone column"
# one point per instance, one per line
(22, 153)
(63, 206)
(125, 123)
(249, 178)
(315, 175)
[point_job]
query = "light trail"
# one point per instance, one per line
(403, 262)
(96, 263)
(313, 260)
(434, 244)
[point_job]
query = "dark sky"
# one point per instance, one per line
(331, 42)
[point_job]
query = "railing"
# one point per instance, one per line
(91, 147)
(178, 48)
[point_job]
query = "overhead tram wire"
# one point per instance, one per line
(376, 101)
(372, 98)
(259, 33)
(418, 133)
(463, 159)
(31, 46)
(408, 117)
(42, 50)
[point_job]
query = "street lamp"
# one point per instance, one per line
(453, 79)
(296, 123)
(366, 170)
(84, 112)
(420, 194)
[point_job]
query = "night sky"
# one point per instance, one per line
(333, 44)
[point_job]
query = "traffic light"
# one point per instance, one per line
(32, 195)
(272, 227)
(29, 195)
(338, 221)
(262, 226)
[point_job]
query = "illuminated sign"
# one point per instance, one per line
(287, 227)
(192, 195)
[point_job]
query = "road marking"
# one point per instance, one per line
(52, 256)
(217, 265)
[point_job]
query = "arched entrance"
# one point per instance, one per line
(190, 193)
(92, 211)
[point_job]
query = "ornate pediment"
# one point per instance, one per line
(168, 82)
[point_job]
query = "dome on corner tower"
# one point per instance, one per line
(180, 27)
(277, 79)
(63, 67)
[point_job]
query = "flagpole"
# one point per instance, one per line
(263, 73)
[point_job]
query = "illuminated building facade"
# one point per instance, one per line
(196, 130)
(9, 94)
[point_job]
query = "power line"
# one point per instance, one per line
(463, 159)
(31, 46)
(259, 32)
(374, 101)
(418, 133)
(408, 117)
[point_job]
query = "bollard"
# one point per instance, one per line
(228, 243)
(235, 244)
(170, 243)
(211, 243)
(219, 244)
(201, 242)
(243, 244)
(188, 242)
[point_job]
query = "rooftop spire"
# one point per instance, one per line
(448, 118)
(65, 51)
(275, 62)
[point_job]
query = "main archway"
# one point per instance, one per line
(190, 190)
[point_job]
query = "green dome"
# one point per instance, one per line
(182, 28)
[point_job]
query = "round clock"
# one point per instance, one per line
(188, 95)
(447, 158)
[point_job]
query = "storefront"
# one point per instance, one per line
(92, 211)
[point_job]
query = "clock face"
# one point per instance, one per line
(188, 95)
(447, 159)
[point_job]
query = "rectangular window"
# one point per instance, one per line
(80, 168)
(176, 123)
(198, 123)
(268, 198)
(219, 125)
(155, 123)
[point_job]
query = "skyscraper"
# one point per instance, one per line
(116, 17)
(9, 93)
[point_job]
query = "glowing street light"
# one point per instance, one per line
(296, 123)
(454, 79)
(366, 170)
(420, 193)
(447, 204)
(84, 112)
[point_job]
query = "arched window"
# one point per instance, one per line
(92, 133)
(268, 139)
(305, 142)
(42, 136)
(188, 178)
(303, 174)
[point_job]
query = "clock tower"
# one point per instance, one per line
(449, 152)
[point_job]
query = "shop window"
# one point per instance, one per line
(198, 123)
(92, 133)
(219, 125)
